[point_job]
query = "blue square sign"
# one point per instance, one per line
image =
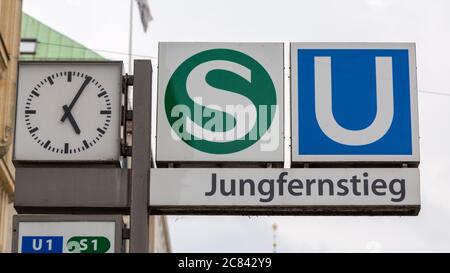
(354, 102)
(42, 244)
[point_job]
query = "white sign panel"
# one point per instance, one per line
(66, 236)
(68, 111)
(220, 102)
(354, 102)
(284, 188)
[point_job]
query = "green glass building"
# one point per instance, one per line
(40, 42)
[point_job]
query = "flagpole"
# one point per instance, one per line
(130, 42)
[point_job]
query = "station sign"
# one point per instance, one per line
(354, 102)
(220, 102)
(314, 191)
(67, 234)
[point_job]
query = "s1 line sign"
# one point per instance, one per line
(354, 102)
(67, 234)
(305, 191)
(220, 102)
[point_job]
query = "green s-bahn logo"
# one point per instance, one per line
(220, 101)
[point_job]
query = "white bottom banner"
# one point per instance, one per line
(361, 191)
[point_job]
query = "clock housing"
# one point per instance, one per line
(68, 112)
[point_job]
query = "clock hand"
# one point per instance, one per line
(72, 103)
(71, 119)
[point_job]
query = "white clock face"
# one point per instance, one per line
(68, 112)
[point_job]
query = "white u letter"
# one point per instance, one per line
(324, 110)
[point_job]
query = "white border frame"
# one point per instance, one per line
(248, 156)
(65, 218)
(118, 155)
(414, 158)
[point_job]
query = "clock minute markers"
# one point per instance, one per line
(33, 130)
(46, 144)
(80, 141)
(74, 100)
(68, 109)
(85, 144)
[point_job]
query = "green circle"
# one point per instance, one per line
(260, 91)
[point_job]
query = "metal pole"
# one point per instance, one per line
(130, 41)
(141, 157)
(274, 228)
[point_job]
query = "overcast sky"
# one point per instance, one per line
(103, 25)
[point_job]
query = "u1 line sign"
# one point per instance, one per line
(357, 191)
(67, 234)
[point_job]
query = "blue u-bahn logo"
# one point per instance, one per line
(354, 102)
(42, 244)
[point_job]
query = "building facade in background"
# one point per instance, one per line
(39, 42)
(10, 14)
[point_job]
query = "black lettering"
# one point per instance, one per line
(295, 184)
(242, 183)
(281, 180)
(375, 186)
(355, 182)
(366, 184)
(330, 186)
(309, 183)
(269, 193)
(232, 190)
(213, 185)
(343, 187)
(401, 192)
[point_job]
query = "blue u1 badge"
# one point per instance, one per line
(354, 102)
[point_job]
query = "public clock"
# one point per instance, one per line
(68, 111)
